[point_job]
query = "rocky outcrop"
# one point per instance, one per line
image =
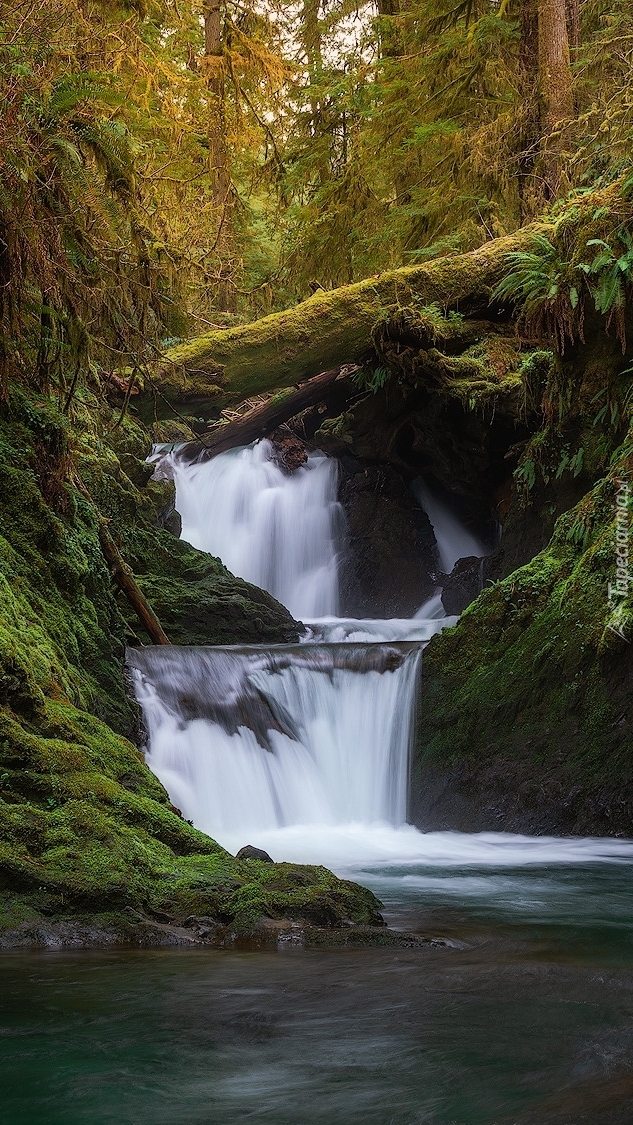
(91, 849)
(526, 706)
(462, 585)
(390, 551)
(195, 597)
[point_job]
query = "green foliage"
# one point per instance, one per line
(570, 462)
(551, 281)
(545, 286)
(372, 379)
(525, 474)
(610, 275)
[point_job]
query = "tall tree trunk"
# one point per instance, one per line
(572, 12)
(530, 127)
(554, 88)
(218, 152)
(311, 36)
(390, 45)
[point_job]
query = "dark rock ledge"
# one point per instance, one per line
(136, 930)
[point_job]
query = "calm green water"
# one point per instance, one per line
(526, 1020)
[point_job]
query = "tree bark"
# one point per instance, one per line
(213, 68)
(529, 196)
(390, 45)
(572, 12)
(554, 88)
(331, 327)
(262, 420)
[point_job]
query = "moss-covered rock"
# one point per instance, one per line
(86, 831)
(525, 713)
(196, 598)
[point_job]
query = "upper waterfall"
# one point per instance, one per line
(453, 540)
(277, 530)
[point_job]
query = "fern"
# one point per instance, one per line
(546, 287)
(610, 275)
(373, 379)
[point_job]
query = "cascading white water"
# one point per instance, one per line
(304, 750)
(336, 725)
(453, 540)
(275, 529)
(297, 746)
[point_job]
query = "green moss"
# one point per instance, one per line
(534, 674)
(195, 597)
(330, 328)
(84, 826)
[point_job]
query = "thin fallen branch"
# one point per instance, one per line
(122, 573)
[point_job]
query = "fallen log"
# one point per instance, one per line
(332, 327)
(262, 420)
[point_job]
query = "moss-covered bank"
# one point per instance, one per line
(526, 716)
(85, 829)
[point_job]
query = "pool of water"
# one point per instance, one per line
(524, 1018)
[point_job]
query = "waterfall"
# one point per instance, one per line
(248, 741)
(275, 529)
(303, 749)
(453, 540)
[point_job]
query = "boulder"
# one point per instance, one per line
(249, 852)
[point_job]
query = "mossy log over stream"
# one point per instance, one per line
(330, 328)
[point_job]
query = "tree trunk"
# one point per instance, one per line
(311, 36)
(554, 88)
(572, 12)
(213, 67)
(390, 45)
(529, 195)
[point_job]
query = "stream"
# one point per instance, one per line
(524, 1018)
(521, 1012)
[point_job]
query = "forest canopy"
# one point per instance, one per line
(168, 168)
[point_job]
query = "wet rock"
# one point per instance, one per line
(203, 928)
(289, 452)
(391, 549)
(250, 852)
(462, 585)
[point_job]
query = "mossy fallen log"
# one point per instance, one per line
(330, 328)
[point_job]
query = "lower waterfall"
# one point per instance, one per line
(302, 749)
(248, 742)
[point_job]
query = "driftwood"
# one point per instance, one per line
(263, 419)
(123, 576)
